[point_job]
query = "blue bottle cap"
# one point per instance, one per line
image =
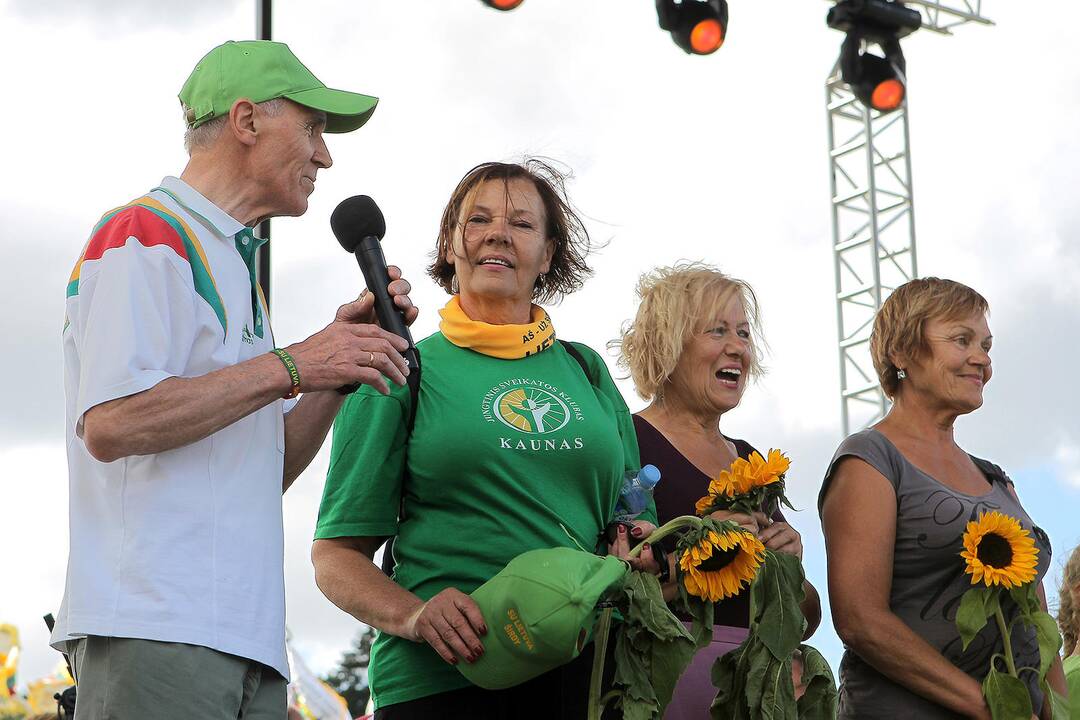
(649, 476)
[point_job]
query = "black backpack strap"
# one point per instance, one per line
(576, 354)
(413, 381)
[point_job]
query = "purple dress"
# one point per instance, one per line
(681, 485)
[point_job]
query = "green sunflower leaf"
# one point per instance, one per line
(977, 604)
(778, 692)
(652, 650)
(1049, 640)
(775, 595)
(753, 665)
(1027, 602)
(1059, 705)
(1007, 696)
(819, 701)
(728, 685)
(702, 613)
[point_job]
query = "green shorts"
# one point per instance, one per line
(129, 678)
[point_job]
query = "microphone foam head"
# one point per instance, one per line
(356, 218)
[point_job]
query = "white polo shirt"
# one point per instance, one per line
(185, 545)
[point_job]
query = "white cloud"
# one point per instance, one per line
(34, 532)
(1067, 456)
(720, 158)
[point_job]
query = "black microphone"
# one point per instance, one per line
(359, 226)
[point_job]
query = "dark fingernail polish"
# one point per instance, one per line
(636, 532)
(622, 530)
(483, 629)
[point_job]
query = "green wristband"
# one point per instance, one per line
(294, 374)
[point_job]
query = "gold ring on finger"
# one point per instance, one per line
(371, 360)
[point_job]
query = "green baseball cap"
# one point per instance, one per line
(540, 611)
(261, 70)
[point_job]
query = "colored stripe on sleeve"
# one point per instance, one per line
(151, 223)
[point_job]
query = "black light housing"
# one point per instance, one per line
(503, 5)
(699, 27)
(878, 82)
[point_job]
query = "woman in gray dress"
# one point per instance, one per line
(894, 507)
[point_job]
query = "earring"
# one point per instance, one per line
(900, 374)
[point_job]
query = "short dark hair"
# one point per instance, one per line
(563, 226)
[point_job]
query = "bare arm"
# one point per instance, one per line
(347, 576)
(450, 622)
(181, 411)
(859, 521)
(811, 609)
(1055, 676)
(306, 427)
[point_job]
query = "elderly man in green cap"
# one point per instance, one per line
(183, 427)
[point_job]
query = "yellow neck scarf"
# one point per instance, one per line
(509, 342)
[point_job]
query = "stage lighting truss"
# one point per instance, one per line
(876, 80)
(699, 27)
(503, 5)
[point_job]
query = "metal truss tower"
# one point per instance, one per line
(873, 217)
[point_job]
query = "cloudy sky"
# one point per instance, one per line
(720, 158)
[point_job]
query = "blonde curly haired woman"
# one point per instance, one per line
(1068, 618)
(691, 350)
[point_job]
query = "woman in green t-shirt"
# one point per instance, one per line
(517, 442)
(1069, 621)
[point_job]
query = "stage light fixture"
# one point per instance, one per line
(878, 82)
(503, 5)
(697, 26)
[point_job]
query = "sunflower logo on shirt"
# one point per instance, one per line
(531, 410)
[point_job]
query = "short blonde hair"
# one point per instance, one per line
(676, 303)
(900, 324)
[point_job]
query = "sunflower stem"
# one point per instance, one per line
(600, 643)
(683, 521)
(1007, 641)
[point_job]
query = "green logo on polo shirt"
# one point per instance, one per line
(531, 410)
(246, 335)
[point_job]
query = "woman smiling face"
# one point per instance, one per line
(713, 368)
(955, 366)
(500, 249)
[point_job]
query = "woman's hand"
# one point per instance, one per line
(779, 536)
(646, 561)
(451, 624)
(748, 522)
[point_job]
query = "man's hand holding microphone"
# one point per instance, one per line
(353, 349)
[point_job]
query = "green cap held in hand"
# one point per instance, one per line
(540, 611)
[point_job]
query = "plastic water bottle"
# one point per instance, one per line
(636, 492)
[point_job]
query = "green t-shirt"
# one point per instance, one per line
(1072, 681)
(503, 455)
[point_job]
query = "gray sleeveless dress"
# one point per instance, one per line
(928, 580)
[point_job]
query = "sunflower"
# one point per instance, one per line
(767, 471)
(703, 505)
(999, 552)
(719, 561)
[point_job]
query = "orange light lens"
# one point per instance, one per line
(887, 95)
(506, 4)
(707, 37)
